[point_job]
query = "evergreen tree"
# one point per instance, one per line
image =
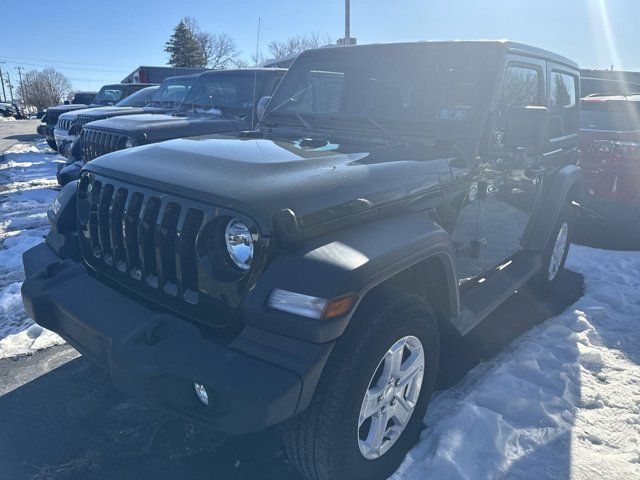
(184, 47)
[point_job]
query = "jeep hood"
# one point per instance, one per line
(59, 109)
(105, 112)
(159, 127)
(261, 177)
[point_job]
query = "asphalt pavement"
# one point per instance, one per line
(12, 132)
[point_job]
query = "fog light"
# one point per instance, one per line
(201, 392)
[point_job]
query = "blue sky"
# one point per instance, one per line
(96, 42)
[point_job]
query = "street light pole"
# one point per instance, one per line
(347, 22)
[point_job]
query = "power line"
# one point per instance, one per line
(65, 67)
(64, 61)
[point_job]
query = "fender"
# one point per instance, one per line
(353, 260)
(554, 199)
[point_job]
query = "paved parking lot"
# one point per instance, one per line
(17, 131)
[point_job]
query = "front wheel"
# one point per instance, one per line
(369, 405)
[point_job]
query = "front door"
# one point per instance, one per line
(510, 182)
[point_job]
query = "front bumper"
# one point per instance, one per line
(46, 131)
(64, 141)
(254, 382)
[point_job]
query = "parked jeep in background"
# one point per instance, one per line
(108, 95)
(66, 130)
(7, 110)
(303, 273)
(221, 101)
(81, 98)
(610, 145)
(165, 98)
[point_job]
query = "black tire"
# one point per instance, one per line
(543, 281)
(52, 145)
(322, 442)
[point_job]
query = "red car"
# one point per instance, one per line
(610, 144)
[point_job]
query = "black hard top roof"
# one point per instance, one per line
(141, 85)
(243, 70)
(508, 45)
(191, 75)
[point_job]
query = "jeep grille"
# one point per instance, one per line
(52, 117)
(100, 142)
(146, 241)
(81, 121)
(64, 124)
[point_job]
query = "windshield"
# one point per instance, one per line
(83, 98)
(224, 91)
(139, 98)
(172, 92)
(613, 115)
(414, 88)
(109, 95)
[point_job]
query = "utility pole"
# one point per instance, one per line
(9, 85)
(21, 84)
(4, 94)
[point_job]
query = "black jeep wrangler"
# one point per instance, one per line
(303, 273)
(162, 99)
(108, 95)
(219, 102)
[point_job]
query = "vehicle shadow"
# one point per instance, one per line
(606, 235)
(70, 423)
(27, 137)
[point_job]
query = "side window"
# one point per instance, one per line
(563, 104)
(521, 88)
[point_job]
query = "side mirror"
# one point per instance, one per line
(526, 127)
(262, 106)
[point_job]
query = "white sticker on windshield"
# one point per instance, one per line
(451, 114)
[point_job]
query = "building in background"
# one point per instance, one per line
(146, 74)
(609, 82)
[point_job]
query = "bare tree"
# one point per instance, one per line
(250, 62)
(297, 44)
(219, 50)
(43, 89)
(214, 50)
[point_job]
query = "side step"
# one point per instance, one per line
(487, 294)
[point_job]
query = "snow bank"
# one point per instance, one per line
(27, 176)
(563, 401)
(7, 119)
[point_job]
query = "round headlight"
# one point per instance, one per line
(130, 143)
(239, 243)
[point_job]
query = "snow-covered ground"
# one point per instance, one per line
(563, 401)
(27, 178)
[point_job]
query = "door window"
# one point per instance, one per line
(522, 87)
(563, 105)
